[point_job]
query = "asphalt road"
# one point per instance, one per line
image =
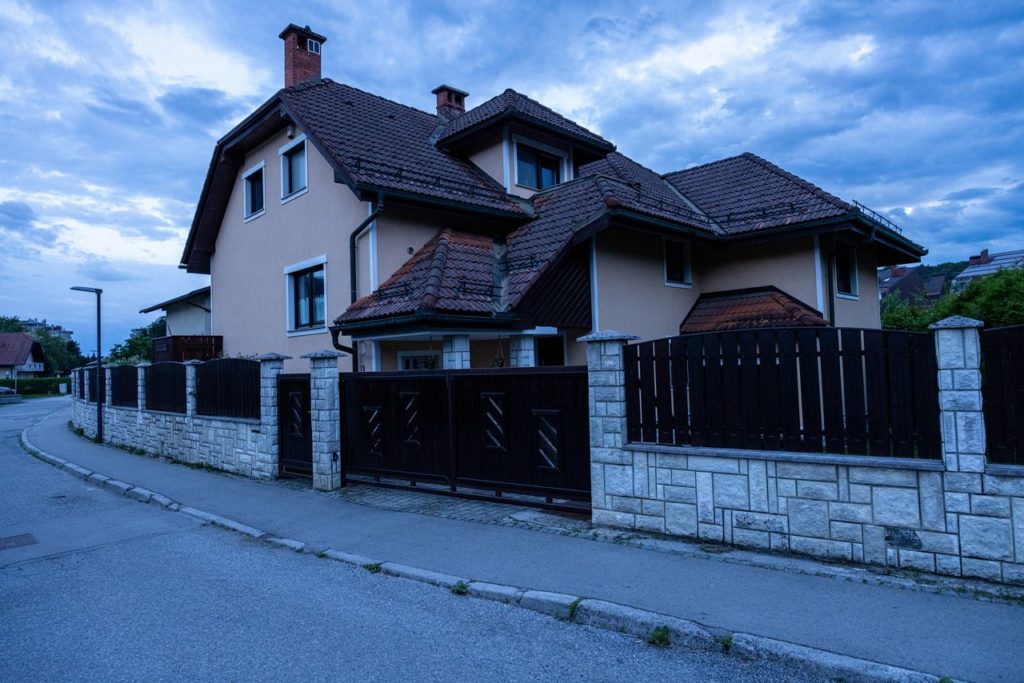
(116, 590)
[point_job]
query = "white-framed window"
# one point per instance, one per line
(419, 360)
(253, 185)
(539, 166)
(313, 46)
(678, 269)
(306, 297)
(293, 169)
(844, 270)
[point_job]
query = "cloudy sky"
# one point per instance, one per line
(109, 111)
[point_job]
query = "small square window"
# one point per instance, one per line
(677, 264)
(536, 169)
(313, 46)
(309, 302)
(845, 269)
(254, 192)
(293, 170)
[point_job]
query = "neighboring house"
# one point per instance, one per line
(188, 314)
(984, 264)
(904, 280)
(21, 356)
(188, 328)
(496, 235)
(34, 327)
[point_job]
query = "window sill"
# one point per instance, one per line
(306, 332)
(679, 285)
(294, 195)
(254, 216)
(848, 297)
(535, 189)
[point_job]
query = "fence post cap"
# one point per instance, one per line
(326, 353)
(193, 361)
(143, 364)
(273, 356)
(956, 322)
(608, 335)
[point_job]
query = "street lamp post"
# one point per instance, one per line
(99, 362)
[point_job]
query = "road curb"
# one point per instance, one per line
(680, 633)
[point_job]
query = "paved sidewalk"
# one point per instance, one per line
(943, 634)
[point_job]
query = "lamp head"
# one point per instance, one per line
(88, 289)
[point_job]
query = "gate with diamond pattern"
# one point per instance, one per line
(474, 432)
(295, 435)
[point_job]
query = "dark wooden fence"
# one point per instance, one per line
(90, 377)
(81, 383)
(124, 386)
(817, 390)
(512, 429)
(228, 387)
(186, 347)
(165, 387)
(1002, 386)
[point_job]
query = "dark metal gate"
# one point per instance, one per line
(295, 434)
(516, 430)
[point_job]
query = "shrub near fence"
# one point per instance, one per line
(124, 386)
(35, 386)
(165, 387)
(1002, 386)
(228, 387)
(818, 390)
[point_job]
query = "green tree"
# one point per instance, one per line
(10, 323)
(997, 300)
(138, 346)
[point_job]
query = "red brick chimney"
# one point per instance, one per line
(451, 102)
(980, 259)
(301, 54)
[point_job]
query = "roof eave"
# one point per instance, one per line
(472, 131)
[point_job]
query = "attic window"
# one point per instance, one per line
(535, 169)
(293, 169)
(313, 46)
(846, 271)
(677, 264)
(253, 187)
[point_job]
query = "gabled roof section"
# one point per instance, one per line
(511, 105)
(16, 348)
(377, 143)
(746, 193)
(454, 273)
(744, 309)
(195, 293)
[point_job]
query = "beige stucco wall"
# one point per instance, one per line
(185, 319)
(482, 352)
(489, 158)
(397, 233)
(246, 271)
(788, 265)
(865, 310)
(631, 291)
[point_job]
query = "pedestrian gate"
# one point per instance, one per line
(295, 434)
(515, 430)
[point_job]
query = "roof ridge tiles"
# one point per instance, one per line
(435, 273)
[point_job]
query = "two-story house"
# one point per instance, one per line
(497, 235)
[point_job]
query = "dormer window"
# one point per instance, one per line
(313, 46)
(536, 169)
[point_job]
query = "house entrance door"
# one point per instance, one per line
(295, 434)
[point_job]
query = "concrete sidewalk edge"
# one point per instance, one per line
(653, 627)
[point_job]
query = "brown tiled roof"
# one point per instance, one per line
(385, 144)
(746, 192)
(453, 273)
(15, 348)
(748, 309)
(511, 104)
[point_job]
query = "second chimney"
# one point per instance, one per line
(301, 54)
(451, 102)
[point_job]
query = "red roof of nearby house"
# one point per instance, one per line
(747, 309)
(15, 348)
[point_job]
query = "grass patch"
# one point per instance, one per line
(726, 642)
(573, 606)
(372, 567)
(460, 588)
(659, 637)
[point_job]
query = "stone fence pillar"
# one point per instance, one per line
(606, 379)
(325, 419)
(268, 461)
(455, 352)
(140, 378)
(190, 387)
(522, 351)
(963, 425)
(107, 386)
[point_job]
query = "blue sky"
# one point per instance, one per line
(109, 111)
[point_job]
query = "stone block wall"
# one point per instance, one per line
(957, 516)
(455, 352)
(242, 446)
